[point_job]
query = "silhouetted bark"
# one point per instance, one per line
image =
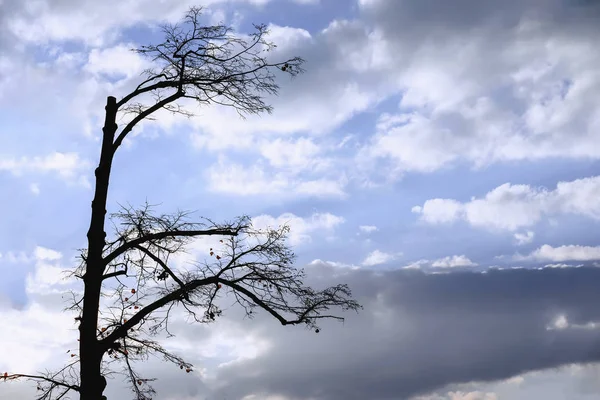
(133, 270)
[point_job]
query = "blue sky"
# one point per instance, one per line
(423, 138)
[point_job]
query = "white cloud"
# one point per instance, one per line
(336, 264)
(497, 96)
(225, 177)
(323, 188)
(315, 103)
(68, 166)
(35, 188)
(437, 211)
(564, 253)
(368, 228)
(417, 264)
(232, 178)
(472, 396)
(524, 238)
(19, 257)
(301, 229)
(377, 257)
(42, 253)
(95, 23)
(299, 154)
(561, 265)
(117, 61)
(22, 346)
(453, 261)
(459, 395)
(512, 207)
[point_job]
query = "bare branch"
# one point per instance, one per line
(47, 384)
(166, 234)
(210, 65)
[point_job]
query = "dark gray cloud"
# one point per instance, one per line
(419, 332)
(429, 16)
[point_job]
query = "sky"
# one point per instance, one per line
(442, 158)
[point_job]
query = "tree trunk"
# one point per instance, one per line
(90, 353)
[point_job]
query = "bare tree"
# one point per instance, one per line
(131, 285)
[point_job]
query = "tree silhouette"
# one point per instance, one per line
(130, 283)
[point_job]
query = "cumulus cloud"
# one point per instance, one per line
(236, 179)
(301, 229)
(299, 154)
(453, 261)
(368, 228)
(24, 349)
(377, 257)
(337, 264)
(34, 188)
(524, 238)
(42, 253)
(476, 395)
(117, 62)
(512, 207)
(68, 166)
(565, 253)
(91, 22)
(517, 90)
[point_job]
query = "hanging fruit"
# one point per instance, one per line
(133, 291)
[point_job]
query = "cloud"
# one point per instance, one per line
(236, 179)
(519, 89)
(68, 166)
(400, 306)
(300, 154)
(477, 83)
(512, 207)
(328, 94)
(477, 395)
(35, 188)
(524, 238)
(453, 261)
(336, 264)
(42, 254)
(90, 22)
(565, 253)
(116, 62)
(24, 349)
(418, 325)
(368, 228)
(438, 211)
(301, 229)
(377, 257)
